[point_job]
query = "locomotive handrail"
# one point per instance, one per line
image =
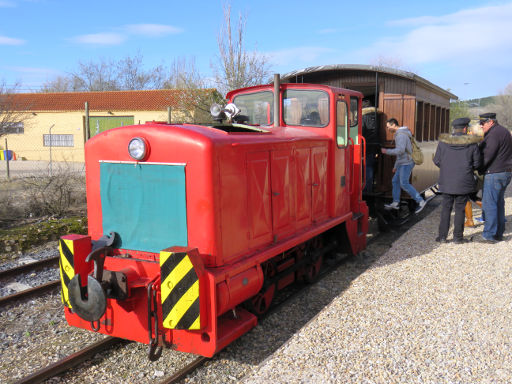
(363, 157)
(351, 162)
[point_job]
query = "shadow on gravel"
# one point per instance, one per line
(275, 330)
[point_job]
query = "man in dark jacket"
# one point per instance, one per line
(371, 136)
(457, 156)
(497, 170)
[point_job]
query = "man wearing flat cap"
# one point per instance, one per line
(496, 150)
(457, 156)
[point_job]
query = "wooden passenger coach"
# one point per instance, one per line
(415, 102)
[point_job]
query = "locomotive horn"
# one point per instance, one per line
(91, 306)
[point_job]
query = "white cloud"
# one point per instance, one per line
(4, 40)
(112, 38)
(100, 39)
(296, 56)
(465, 35)
(153, 30)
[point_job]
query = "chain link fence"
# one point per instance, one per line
(40, 179)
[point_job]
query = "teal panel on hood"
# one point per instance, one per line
(145, 204)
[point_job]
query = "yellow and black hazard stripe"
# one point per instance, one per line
(180, 291)
(67, 269)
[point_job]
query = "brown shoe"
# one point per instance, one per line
(469, 223)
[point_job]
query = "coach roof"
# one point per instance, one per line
(370, 68)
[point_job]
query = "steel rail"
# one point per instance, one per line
(185, 370)
(69, 361)
(29, 292)
(27, 267)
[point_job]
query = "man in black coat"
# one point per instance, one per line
(371, 135)
(457, 156)
(497, 170)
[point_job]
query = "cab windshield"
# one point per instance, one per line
(257, 107)
(306, 108)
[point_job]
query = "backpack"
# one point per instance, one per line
(417, 155)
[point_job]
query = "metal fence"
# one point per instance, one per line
(37, 181)
(47, 158)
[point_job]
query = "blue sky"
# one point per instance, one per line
(464, 46)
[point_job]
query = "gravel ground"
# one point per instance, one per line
(422, 313)
(330, 332)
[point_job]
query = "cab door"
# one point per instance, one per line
(357, 153)
(341, 156)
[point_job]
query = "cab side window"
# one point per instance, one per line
(341, 123)
(354, 115)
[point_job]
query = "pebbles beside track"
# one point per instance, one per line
(9, 286)
(423, 313)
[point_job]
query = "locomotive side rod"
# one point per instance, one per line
(70, 361)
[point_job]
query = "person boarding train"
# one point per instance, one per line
(403, 165)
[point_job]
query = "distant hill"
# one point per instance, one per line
(482, 102)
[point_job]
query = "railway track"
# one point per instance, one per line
(28, 267)
(88, 352)
(35, 291)
(182, 373)
(70, 361)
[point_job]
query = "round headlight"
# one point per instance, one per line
(137, 148)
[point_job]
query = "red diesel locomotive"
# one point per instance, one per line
(193, 228)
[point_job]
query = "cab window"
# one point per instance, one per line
(258, 107)
(341, 123)
(307, 108)
(354, 112)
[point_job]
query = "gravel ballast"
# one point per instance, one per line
(423, 313)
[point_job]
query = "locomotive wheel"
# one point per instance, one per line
(260, 303)
(313, 270)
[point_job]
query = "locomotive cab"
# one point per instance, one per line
(192, 229)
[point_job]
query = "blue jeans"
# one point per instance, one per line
(401, 181)
(493, 203)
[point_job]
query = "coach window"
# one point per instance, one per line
(306, 108)
(341, 123)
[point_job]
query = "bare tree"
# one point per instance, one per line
(391, 62)
(235, 67)
(12, 113)
(62, 84)
(132, 76)
(196, 94)
(503, 107)
(108, 75)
